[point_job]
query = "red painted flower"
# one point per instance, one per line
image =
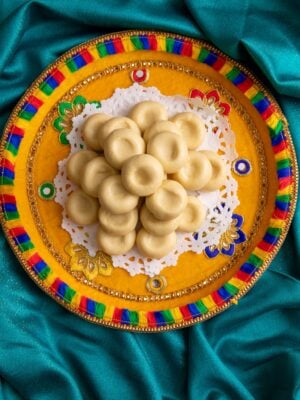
(211, 97)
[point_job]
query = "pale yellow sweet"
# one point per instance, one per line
(122, 144)
(170, 149)
(142, 174)
(155, 226)
(192, 216)
(113, 124)
(153, 246)
(146, 113)
(93, 174)
(168, 201)
(114, 197)
(191, 127)
(218, 177)
(76, 164)
(90, 129)
(158, 127)
(118, 224)
(115, 245)
(196, 173)
(81, 208)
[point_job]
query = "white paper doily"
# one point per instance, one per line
(219, 138)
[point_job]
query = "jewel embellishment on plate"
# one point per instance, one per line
(156, 284)
(47, 191)
(140, 75)
(242, 167)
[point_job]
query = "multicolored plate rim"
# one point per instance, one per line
(263, 253)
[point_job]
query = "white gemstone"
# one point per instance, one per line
(46, 191)
(243, 166)
(139, 73)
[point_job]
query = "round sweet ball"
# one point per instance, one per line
(170, 149)
(81, 208)
(142, 174)
(114, 197)
(158, 127)
(90, 129)
(192, 128)
(118, 224)
(153, 246)
(121, 145)
(112, 125)
(168, 201)
(147, 113)
(192, 216)
(93, 174)
(196, 173)
(156, 226)
(115, 245)
(218, 177)
(76, 164)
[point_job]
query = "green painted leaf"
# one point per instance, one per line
(79, 100)
(57, 123)
(63, 138)
(63, 106)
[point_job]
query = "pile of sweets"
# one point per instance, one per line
(134, 177)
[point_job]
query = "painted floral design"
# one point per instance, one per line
(91, 267)
(66, 111)
(229, 239)
(211, 98)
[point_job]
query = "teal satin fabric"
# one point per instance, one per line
(251, 351)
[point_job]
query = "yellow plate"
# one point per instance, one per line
(200, 285)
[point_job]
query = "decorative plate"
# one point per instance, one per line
(247, 219)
